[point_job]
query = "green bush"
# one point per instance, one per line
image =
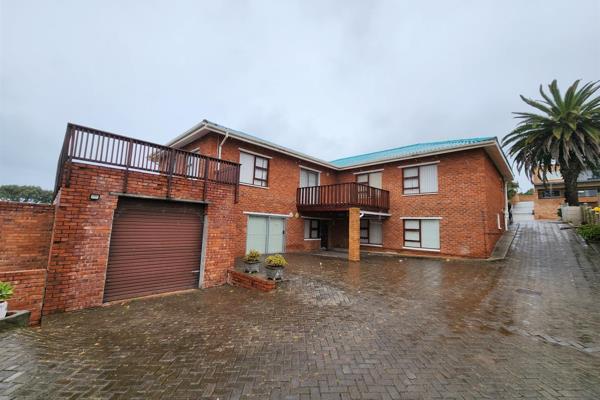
(6, 291)
(589, 232)
(276, 260)
(252, 257)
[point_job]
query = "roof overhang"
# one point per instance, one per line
(491, 147)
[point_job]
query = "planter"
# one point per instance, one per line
(252, 268)
(274, 273)
(3, 309)
(15, 319)
(571, 214)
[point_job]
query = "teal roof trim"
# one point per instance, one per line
(406, 151)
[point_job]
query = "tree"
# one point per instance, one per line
(528, 192)
(564, 138)
(512, 189)
(25, 194)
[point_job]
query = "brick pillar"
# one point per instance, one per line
(354, 234)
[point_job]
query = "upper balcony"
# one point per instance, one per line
(93, 146)
(341, 196)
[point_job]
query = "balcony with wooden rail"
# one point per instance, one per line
(341, 197)
(92, 146)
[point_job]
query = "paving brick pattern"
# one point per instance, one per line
(384, 328)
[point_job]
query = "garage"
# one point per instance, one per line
(155, 247)
(266, 234)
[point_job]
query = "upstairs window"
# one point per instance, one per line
(421, 179)
(308, 178)
(371, 179)
(548, 194)
(254, 169)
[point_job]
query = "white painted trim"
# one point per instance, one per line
(371, 245)
(254, 153)
(317, 218)
(368, 172)
(418, 165)
(420, 217)
(262, 214)
(309, 169)
(254, 186)
(194, 150)
(375, 213)
(419, 194)
(421, 249)
(312, 239)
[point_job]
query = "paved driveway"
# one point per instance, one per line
(386, 328)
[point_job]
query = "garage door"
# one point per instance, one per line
(155, 247)
(265, 234)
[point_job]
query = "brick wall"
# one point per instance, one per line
(29, 291)
(494, 204)
(25, 231)
(547, 208)
(81, 236)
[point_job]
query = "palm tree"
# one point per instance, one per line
(565, 137)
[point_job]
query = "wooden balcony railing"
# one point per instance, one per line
(93, 146)
(341, 196)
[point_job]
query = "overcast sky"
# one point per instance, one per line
(328, 78)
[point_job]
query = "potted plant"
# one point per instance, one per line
(252, 261)
(6, 292)
(274, 267)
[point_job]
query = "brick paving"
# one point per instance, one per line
(384, 328)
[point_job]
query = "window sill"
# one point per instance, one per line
(418, 194)
(312, 239)
(371, 244)
(421, 249)
(254, 186)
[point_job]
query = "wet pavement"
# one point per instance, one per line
(385, 328)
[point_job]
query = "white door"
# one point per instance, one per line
(265, 234)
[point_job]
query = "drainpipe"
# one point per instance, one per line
(221, 145)
(505, 205)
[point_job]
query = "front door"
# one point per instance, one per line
(324, 234)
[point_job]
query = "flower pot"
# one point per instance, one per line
(274, 272)
(3, 309)
(252, 268)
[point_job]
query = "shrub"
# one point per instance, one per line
(252, 257)
(559, 212)
(589, 232)
(276, 260)
(6, 291)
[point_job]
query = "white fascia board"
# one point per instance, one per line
(263, 214)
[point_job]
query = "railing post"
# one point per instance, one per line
(170, 172)
(128, 164)
(205, 188)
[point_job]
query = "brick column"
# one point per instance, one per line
(354, 234)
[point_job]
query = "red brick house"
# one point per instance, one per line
(133, 218)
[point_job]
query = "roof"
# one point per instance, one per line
(490, 144)
(404, 151)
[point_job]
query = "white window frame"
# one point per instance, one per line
(420, 248)
(418, 176)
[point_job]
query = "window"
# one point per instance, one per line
(312, 229)
(421, 179)
(587, 193)
(308, 178)
(372, 179)
(422, 233)
(548, 194)
(254, 169)
(370, 232)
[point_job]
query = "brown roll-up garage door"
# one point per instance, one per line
(155, 247)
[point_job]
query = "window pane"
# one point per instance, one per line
(411, 224)
(375, 234)
(428, 179)
(247, 168)
(411, 183)
(364, 224)
(411, 235)
(261, 162)
(412, 244)
(303, 178)
(363, 178)
(430, 229)
(408, 172)
(375, 180)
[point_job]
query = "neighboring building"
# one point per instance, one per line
(550, 195)
(133, 218)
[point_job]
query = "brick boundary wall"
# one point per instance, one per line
(25, 234)
(29, 291)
